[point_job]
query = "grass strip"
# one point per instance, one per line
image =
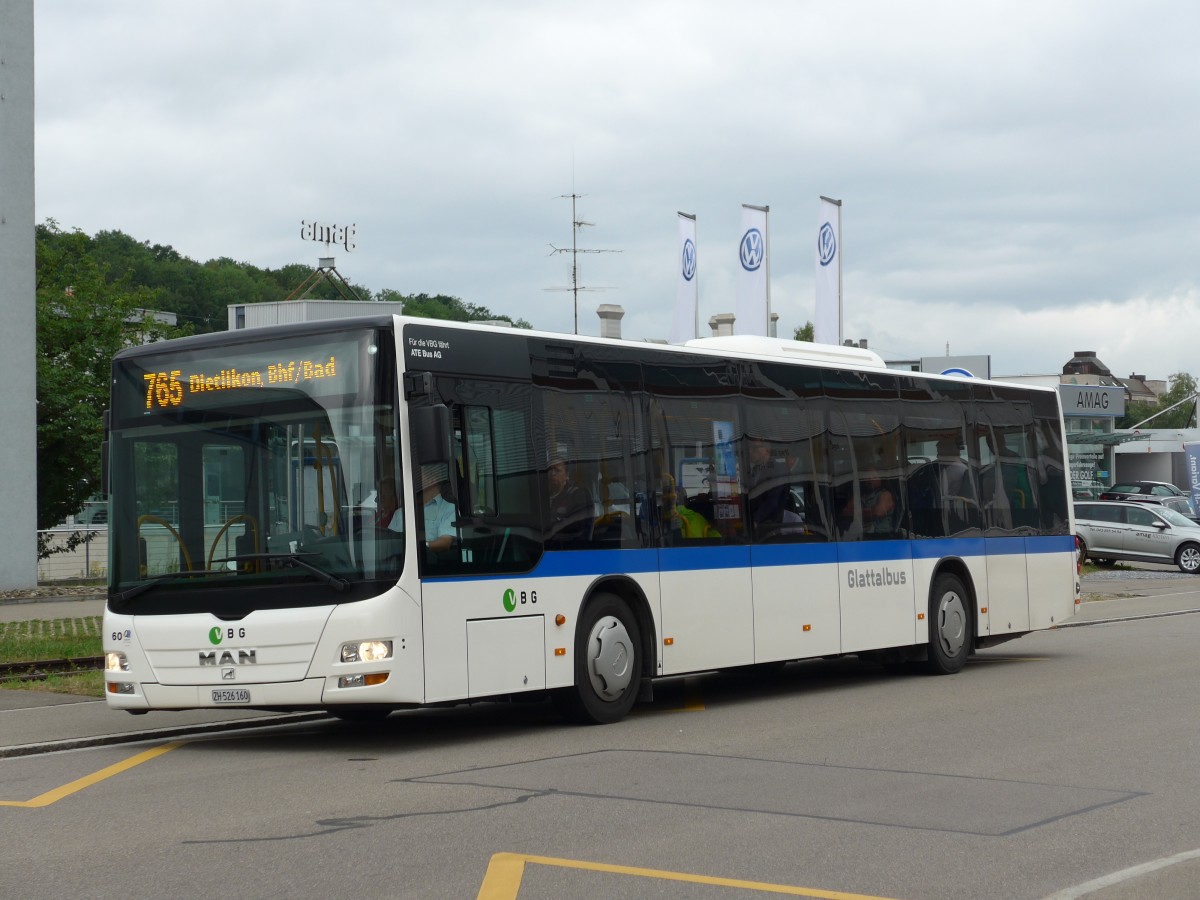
(36, 639)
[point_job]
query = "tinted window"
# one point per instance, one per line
(1099, 513)
(1141, 517)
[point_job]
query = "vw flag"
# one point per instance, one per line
(753, 273)
(687, 295)
(827, 327)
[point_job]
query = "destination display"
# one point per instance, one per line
(206, 378)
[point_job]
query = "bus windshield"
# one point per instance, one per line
(266, 470)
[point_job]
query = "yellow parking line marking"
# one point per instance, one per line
(504, 872)
(95, 778)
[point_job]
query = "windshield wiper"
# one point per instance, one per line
(142, 586)
(293, 559)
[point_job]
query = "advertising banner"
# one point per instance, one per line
(753, 280)
(827, 327)
(687, 294)
(1192, 450)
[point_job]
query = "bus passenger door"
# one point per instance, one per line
(704, 580)
(699, 516)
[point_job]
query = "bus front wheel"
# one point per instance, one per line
(949, 625)
(608, 663)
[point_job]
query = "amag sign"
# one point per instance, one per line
(1091, 400)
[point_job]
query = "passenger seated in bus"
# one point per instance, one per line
(878, 507)
(569, 507)
(767, 485)
(439, 515)
(682, 521)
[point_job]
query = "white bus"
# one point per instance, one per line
(576, 516)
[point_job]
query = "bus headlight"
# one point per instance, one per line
(116, 662)
(366, 651)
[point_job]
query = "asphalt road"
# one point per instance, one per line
(1051, 767)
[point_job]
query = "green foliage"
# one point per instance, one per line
(805, 332)
(84, 317)
(448, 308)
(1182, 387)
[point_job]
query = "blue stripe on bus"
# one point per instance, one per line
(741, 556)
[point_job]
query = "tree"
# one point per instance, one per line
(83, 319)
(805, 332)
(448, 308)
(1182, 387)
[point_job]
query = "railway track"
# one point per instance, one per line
(37, 670)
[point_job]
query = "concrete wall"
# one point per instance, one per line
(18, 363)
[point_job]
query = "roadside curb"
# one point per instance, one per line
(1156, 615)
(155, 734)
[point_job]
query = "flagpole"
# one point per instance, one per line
(767, 245)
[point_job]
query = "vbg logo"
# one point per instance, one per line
(512, 599)
(689, 259)
(826, 244)
(752, 250)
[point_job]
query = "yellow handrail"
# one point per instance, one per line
(155, 520)
(243, 517)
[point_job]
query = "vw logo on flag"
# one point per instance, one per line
(689, 259)
(826, 244)
(752, 250)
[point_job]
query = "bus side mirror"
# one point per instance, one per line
(431, 433)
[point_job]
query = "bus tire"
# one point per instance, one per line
(608, 663)
(949, 625)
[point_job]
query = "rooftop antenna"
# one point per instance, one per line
(575, 250)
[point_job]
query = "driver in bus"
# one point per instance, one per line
(388, 515)
(440, 532)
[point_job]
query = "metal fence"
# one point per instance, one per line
(88, 560)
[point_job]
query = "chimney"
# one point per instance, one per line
(721, 324)
(610, 320)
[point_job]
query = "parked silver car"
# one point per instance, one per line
(1112, 530)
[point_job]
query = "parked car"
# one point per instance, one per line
(1109, 530)
(1157, 492)
(1181, 505)
(1131, 490)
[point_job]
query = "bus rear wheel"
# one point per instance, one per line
(949, 625)
(608, 663)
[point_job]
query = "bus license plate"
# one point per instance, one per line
(230, 695)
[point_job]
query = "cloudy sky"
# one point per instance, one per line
(1018, 178)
